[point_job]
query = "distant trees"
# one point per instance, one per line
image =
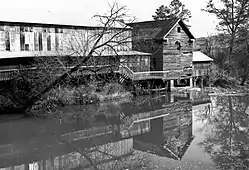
(175, 9)
(233, 17)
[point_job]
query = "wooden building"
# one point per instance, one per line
(154, 54)
(171, 44)
(21, 42)
(202, 68)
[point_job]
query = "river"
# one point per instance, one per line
(178, 130)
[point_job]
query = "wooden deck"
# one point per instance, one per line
(8, 74)
(164, 75)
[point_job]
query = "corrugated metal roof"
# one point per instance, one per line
(201, 57)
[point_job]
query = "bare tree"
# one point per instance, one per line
(232, 14)
(81, 52)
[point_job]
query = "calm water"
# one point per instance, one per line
(171, 131)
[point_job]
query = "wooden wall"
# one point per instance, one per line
(155, 48)
(201, 68)
(137, 63)
(174, 58)
(165, 55)
(61, 38)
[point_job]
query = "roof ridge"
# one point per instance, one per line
(140, 22)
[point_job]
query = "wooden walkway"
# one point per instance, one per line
(8, 74)
(164, 75)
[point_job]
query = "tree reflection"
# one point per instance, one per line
(227, 140)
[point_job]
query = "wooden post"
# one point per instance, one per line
(191, 82)
(172, 83)
(194, 81)
(172, 97)
(202, 82)
(169, 86)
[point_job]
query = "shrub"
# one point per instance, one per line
(112, 88)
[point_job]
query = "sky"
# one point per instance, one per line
(81, 11)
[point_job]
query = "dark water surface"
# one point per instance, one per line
(170, 131)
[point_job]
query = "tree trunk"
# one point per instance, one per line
(31, 101)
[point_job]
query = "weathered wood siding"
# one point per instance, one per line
(137, 63)
(29, 37)
(201, 69)
(174, 58)
(155, 48)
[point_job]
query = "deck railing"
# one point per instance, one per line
(169, 74)
(8, 74)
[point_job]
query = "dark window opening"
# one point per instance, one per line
(178, 29)
(7, 41)
(26, 47)
(22, 41)
(40, 41)
(36, 41)
(178, 45)
(56, 42)
(154, 64)
(21, 29)
(49, 43)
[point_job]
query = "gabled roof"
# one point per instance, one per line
(161, 27)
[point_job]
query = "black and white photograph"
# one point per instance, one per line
(124, 85)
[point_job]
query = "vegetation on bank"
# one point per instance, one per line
(223, 81)
(83, 94)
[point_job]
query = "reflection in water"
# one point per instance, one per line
(227, 140)
(170, 135)
(162, 125)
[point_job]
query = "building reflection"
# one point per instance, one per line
(170, 135)
(165, 131)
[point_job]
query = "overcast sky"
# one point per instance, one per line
(81, 11)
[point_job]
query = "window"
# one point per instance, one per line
(40, 41)
(178, 29)
(178, 45)
(26, 47)
(7, 41)
(56, 42)
(49, 43)
(56, 30)
(36, 41)
(22, 41)
(21, 28)
(154, 64)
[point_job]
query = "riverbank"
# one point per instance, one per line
(82, 95)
